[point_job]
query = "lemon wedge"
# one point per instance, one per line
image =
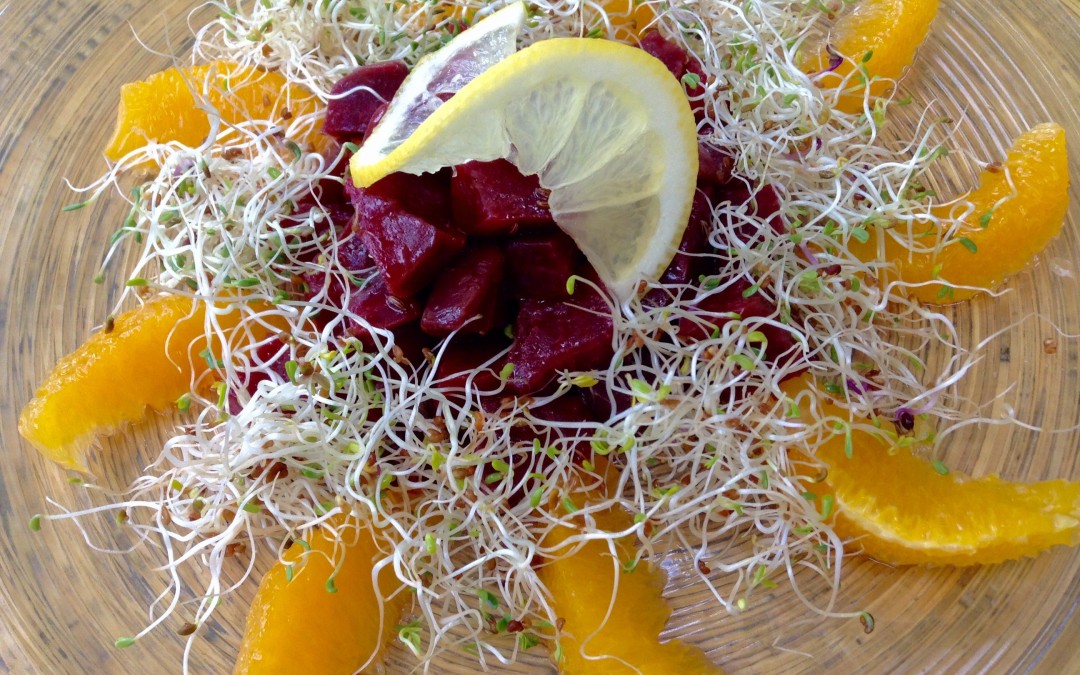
(604, 126)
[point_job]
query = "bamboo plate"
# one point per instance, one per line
(997, 66)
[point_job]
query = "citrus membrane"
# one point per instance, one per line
(604, 126)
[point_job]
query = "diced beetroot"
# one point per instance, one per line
(537, 266)
(714, 165)
(605, 403)
(403, 219)
(492, 198)
(462, 356)
(469, 288)
(330, 194)
(731, 299)
(569, 408)
(551, 336)
(670, 54)
(352, 255)
(693, 66)
(426, 195)
(679, 62)
(375, 304)
(410, 340)
(407, 248)
(273, 354)
(377, 115)
(765, 204)
(688, 262)
(314, 283)
(347, 118)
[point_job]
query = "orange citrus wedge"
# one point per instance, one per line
(149, 359)
(880, 36)
(164, 108)
(1019, 207)
(901, 509)
(626, 640)
(629, 18)
(312, 625)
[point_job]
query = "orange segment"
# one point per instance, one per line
(1016, 230)
(149, 359)
(898, 508)
(629, 18)
(888, 30)
(299, 626)
(629, 640)
(163, 107)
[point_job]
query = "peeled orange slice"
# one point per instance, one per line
(626, 639)
(879, 36)
(171, 105)
(149, 358)
(310, 617)
(629, 18)
(604, 125)
(1018, 209)
(901, 509)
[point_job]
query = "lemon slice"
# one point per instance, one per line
(604, 125)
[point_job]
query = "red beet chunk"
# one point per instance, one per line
(569, 408)
(469, 288)
(348, 117)
(462, 356)
(679, 62)
(409, 248)
(375, 304)
(492, 198)
(604, 403)
(330, 195)
(670, 54)
(714, 166)
(551, 336)
(688, 262)
(426, 195)
(352, 255)
(712, 309)
(537, 266)
(314, 282)
(403, 219)
(273, 354)
(410, 342)
(765, 204)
